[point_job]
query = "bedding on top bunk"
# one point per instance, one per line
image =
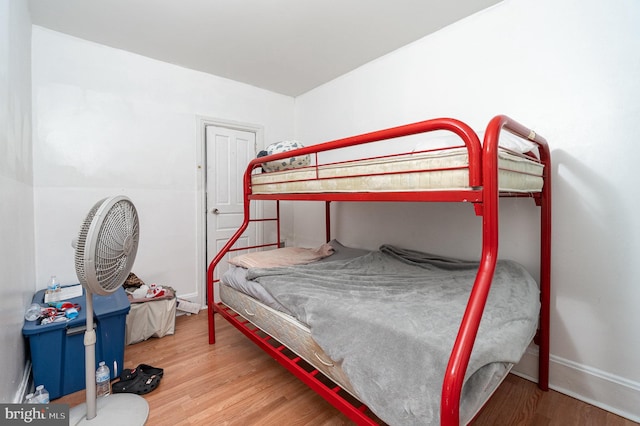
(434, 170)
(424, 162)
(389, 319)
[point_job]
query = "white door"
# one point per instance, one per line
(228, 152)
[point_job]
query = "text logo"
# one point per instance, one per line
(34, 414)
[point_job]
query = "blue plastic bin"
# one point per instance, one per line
(57, 349)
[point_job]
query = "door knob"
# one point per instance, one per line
(215, 211)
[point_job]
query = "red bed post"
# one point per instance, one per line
(327, 219)
(544, 201)
(545, 264)
(218, 257)
(461, 352)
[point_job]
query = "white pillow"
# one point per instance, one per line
(285, 163)
(507, 140)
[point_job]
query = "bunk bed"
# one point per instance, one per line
(282, 319)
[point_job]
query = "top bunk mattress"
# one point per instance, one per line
(434, 170)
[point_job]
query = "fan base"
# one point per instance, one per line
(115, 409)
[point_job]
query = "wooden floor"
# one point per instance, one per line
(234, 383)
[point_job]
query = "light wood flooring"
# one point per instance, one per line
(234, 383)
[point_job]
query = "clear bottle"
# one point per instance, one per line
(54, 284)
(33, 312)
(103, 380)
(41, 396)
(29, 399)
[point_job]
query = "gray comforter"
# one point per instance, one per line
(390, 319)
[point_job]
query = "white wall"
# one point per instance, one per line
(110, 122)
(16, 193)
(107, 121)
(569, 69)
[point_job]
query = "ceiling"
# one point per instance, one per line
(286, 46)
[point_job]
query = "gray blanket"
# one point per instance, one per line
(390, 319)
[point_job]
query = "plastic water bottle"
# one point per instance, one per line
(29, 399)
(33, 312)
(54, 284)
(103, 380)
(41, 396)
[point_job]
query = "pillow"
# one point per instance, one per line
(285, 163)
(341, 252)
(286, 256)
(506, 140)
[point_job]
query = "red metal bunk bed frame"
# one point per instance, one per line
(483, 194)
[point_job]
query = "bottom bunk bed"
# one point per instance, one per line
(406, 307)
(394, 336)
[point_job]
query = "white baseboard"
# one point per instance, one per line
(596, 387)
(24, 385)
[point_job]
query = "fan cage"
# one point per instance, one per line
(107, 245)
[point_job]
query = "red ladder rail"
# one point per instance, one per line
(228, 247)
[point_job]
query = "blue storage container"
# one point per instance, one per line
(57, 349)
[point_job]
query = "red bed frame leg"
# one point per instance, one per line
(545, 272)
(212, 324)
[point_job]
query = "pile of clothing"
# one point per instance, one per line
(137, 291)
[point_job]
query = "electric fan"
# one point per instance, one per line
(104, 253)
